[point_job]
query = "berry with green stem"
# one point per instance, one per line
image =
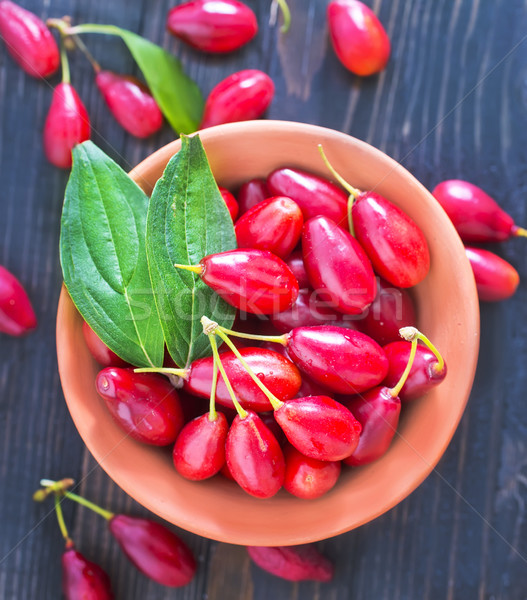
(155, 550)
(392, 240)
(253, 454)
(378, 412)
(199, 451)
(254, 281)
(428, 368)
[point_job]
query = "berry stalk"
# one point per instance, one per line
(411, 333)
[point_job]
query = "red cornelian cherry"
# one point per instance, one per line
(391, 309)
(496, 279)
(254, 281)
(155, 550)
(319, 427)
(144, 405)
(252, 192)
(277, 372)
(392, 241)
(230, 201)
(130, 102)
(378, 412)
(99, 350)
(242, 96)
(254, 456)
(199, 452)
(343, 360)
(315, 195)
(67, 124)
(306, 477)
(358, 37)
(476, 216)
(293, 563)
(308, 310)
(295, 262)
(275, 224)
(28, 40)
(426, 371)
(17, 316)
(337, 266)
(215, 26)
(82, 578)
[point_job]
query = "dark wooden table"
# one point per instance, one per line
(452, 103)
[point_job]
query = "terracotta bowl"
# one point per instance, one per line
(447, 312)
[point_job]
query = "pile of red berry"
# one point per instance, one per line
(316, 370)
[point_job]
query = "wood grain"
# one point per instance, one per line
(452, 103)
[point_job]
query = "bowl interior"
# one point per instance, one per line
(447, 312)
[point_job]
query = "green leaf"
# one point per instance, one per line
(177, 95)
(187, 220)
(103, 257)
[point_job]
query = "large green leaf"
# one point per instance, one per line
(103, 256)
(177, 95)
(187, 220)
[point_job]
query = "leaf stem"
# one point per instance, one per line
(277, 339)
(183, 373)
(194, 268)
(82, 47)
(239, 408)
(409, 333)
(353, 192)
(60, 519)
(396, 390)
(286, 14)
(91, 505)
(213, 415)
(275, 402)
(66, 78)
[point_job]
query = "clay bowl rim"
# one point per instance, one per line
(178, 504)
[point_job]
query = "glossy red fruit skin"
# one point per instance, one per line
(274, 370)
(254, 456)
(424, 374)
(496, 279)
(84, 579)
(17, 316)
(378, 413)
(343, 360)
(230, 201)
(254, 281)
(358, 37)
(67, 124)
(99, 350)
(315, 195)
(319, 427)
(155, 550)
(293, 563)
(28, 40)
(242, 96)
(476, 216)
(215, 26)
(337, 266)
(306, 477)
(295, 262)
(252, 192)
(391, 309)
(199, 451)
(145, 405)
(308, 310)
(130, 102)
(393, 242)
(275, 224)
